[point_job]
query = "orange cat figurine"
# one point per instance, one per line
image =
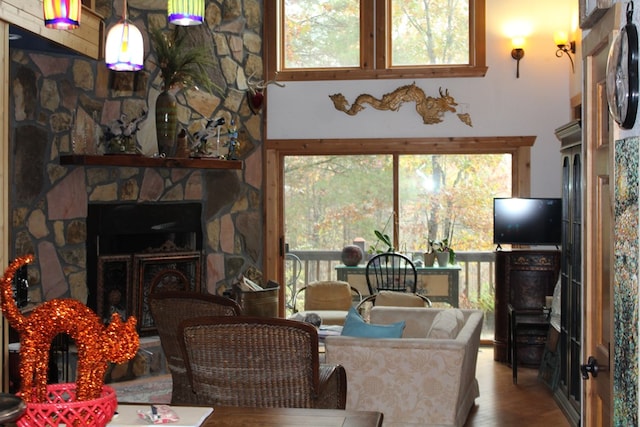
(97, 344)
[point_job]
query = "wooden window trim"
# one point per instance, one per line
(375, 67)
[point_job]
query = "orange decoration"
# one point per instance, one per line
(97, 344)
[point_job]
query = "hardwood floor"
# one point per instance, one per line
(504, 404)
(501, 403)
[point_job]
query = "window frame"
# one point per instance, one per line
(374, 57)
(277, 149)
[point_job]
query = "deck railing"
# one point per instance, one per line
(476, 281)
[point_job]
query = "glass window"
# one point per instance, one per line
(360, 39)
(332, 200)
(451, 197)
(429, 33)
(312, 31)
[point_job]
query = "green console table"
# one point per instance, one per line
(440, 284)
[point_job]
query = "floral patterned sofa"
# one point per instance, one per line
(425, 378)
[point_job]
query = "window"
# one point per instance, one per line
(360, 39)
(331, 200)
(450, 197)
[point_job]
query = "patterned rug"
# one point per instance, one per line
(155, 389)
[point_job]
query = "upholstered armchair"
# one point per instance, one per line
(330, 299)
(425, 378)
(168, 310)
(259, 362)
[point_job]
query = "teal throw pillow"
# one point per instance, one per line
(355, 326)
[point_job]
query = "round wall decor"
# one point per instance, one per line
(622, 74)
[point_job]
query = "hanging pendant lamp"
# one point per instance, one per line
(124, 48)
(62, 14)
(185, 12)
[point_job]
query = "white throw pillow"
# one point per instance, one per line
(447, 324)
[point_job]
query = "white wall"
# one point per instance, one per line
(499, 104)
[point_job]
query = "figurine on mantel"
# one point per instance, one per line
(232, 143)
(120, 134)
(202, 145)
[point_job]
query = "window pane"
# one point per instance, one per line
(320, 34)
(429, 32)
(451, 196)
(331, 200)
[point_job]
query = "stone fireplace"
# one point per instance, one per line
(59, 104)
(218, 216)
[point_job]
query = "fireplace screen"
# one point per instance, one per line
(114, 281)
(125, 282)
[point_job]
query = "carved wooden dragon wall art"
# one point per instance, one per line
(431, 109)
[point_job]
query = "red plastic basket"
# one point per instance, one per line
(62, 408)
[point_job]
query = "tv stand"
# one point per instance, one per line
(523, 279)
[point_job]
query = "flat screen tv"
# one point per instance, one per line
(527, 221)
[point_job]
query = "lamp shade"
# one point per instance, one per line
(517, 42)
(185, 12)
(561, 38)
(62, 14)
(124, 48)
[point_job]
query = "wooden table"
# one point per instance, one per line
(439, 284)
(283, 417)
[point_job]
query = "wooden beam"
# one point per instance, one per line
(4, 191)
(444, 145)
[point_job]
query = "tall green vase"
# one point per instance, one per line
(166, 123)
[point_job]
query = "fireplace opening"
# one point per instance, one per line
(136, 249)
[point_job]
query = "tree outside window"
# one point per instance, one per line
(429, 32)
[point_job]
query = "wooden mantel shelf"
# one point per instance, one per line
(143, 161)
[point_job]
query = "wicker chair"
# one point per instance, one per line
(168, 310)
(259, 362)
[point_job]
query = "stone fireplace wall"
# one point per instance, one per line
(60, 104)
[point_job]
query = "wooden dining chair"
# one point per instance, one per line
(259, 362)
(169, 309)
(389, 273)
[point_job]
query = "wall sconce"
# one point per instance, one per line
(124, 48)
(185, 12)
(517, 52)
(561, 39)
(62, 14)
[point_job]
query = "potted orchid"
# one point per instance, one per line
(444, 253)
(383, 238)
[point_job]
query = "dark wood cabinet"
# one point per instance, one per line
(523, 279)
(568, 393)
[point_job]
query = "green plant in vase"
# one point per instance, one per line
(445, 253)
(384, 239)
(183, 66)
